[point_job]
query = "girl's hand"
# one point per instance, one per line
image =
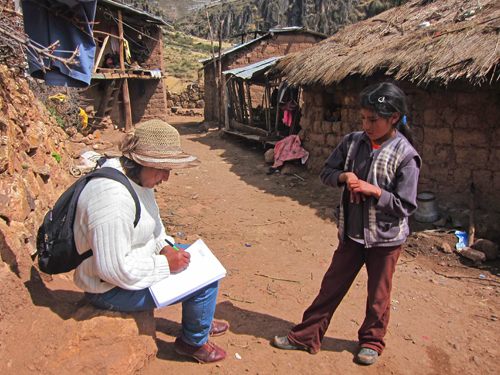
(350, 178)
(360, 188)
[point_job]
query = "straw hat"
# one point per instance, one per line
(159, 146)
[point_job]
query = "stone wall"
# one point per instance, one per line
(279, 44)
(456, 131)
(190, 98)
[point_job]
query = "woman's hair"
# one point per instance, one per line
(384, 99)
(131, 168)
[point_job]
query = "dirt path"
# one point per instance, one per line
(275, 236)
(265, 228)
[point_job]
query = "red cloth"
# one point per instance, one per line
(287, 118)
(289, 148)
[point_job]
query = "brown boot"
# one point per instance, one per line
(207, 353)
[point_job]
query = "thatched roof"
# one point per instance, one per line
(422, 41)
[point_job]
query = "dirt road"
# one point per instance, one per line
(275, 236)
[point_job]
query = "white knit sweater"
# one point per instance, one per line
(123, 256)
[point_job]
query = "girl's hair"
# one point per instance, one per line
(130, 167)
(384, 99)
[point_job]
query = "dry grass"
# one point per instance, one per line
(456, 45)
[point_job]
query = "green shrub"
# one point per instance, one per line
(57, 157)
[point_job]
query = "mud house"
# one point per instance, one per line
(276, 42)
(128, 78)
(445, 55)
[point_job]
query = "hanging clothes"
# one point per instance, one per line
(289, 148)
(115, 44)
(287, 118)
(44, 26)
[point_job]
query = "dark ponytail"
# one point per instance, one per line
(384, 99)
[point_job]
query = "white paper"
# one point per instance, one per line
(204, 268)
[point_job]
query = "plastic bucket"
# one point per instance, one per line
(427, 211)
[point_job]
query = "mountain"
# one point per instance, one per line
(243, 16)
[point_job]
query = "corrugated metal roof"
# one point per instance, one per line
(271, 31)
(129, 8)
(249, 71)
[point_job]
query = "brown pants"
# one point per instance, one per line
(346, 263)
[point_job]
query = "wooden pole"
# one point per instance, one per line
(120, 34)
(226, 103)
(250, 122)
(127, 109)
(268, 105)
(127, 106)
(221, 86)
(216, 81)
(472, 214)
(277, 115)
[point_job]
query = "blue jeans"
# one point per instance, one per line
(198, 309)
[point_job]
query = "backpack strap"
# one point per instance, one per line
(116, 175)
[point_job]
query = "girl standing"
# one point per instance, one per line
(377, 170)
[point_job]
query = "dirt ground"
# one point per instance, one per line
(275, 236)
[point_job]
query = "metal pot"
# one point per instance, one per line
(427, 211)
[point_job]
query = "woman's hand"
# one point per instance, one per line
(178, 261)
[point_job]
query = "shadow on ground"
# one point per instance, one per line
(247, 161)
(245, 322)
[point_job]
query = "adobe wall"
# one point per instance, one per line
(148, 97)
(277, 45)
(456, 131)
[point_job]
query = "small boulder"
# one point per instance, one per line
(269, 156)
(446, 248)
(490, 249)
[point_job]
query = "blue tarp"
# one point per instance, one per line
(48, 21)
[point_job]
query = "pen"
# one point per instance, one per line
(171, 244)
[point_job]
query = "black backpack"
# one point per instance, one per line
(56, 248)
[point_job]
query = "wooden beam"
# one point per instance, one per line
(246, 129)
(101, 52)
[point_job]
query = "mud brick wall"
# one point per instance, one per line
(149, 97)
(278, 45)
(456, 132)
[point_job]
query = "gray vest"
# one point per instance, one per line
(380, 229)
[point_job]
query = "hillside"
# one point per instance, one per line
(182, 53)
(240, 16)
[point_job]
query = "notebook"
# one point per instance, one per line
(204, 268)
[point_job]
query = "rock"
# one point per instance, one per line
(77, 138)
(472, 254)
(106, 343)
(490, 249)
(446, 248)
(269, 156)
